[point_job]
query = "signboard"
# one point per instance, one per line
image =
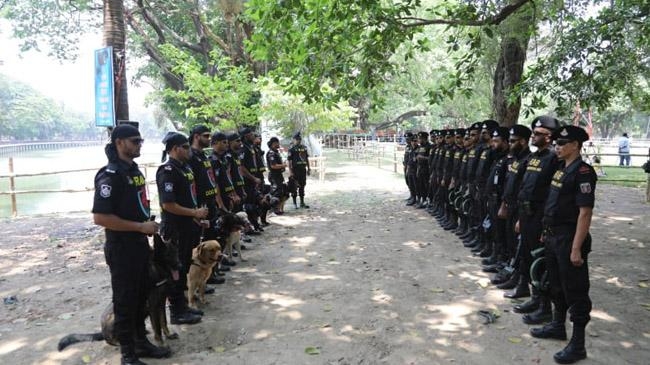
(104, 96)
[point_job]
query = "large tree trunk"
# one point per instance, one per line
(115, 36)
(515, 35)
(507, 74)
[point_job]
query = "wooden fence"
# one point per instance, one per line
(316, 164)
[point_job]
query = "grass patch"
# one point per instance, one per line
(624, 176)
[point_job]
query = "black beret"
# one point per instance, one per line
(199, 129)
(244, 131)
(123, 131)
(433, 132)
(502, 132)
(460, 131)
(218, 136)
(545, 121)
(489, 124)
(572, 133)
(173, 139)
(423, 134)
(233, 136)
(519, 130)
(297, 136)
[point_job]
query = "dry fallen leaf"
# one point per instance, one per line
(514, 339)
(220, 349)
(643, 284)
(437, 290)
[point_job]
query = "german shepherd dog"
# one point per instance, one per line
(163, 264)
(229, 227)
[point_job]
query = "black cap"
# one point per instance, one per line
(522, 131)
(244, 131)
(218, 136)
(423, 134)
(489, 124)
(545, 121)
(173, 139)
(233, 136)
(123, 131)
(571, 133)
(460, 131)
(297, 136)
(433, 132)
(502, 132)
(272, 140)
(475, 126)
(199, 129)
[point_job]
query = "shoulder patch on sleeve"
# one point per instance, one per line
(168, 167)
(105, 190)
(585, 188)
(169, 187)
(584, 169)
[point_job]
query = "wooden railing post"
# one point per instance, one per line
(395, 158)
(12, 187)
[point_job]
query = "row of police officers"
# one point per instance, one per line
(194, 189)
(527, 214)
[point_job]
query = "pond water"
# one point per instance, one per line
(91, 157)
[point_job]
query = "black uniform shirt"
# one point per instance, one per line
(459, 164)
(472, 162)
(298, 156)
(462, 175)
(236, 177)
(273, 157)
(176, 184)
(423, 150)
(249, 157)
(259, 155)
(496, 179)
(206, 182)
(221, 166)
(537, 178)
(515, 172)
(572, 187)
(120, 189)
(485, 161)
(407, 153)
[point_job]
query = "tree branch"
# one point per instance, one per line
(173, 81)
(160, 29)
(401, 118)
(492, 20)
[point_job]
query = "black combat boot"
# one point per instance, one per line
(530, 305)
(144, 348)
(575, 350)
(543, 313)
(411, 201)
(555, 330)
(128, 356)
(506, 279)
(520, 291)
(302, 203)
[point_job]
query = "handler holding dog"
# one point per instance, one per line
(180, 218)
(121, 206)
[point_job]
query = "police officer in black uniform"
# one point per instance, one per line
(221, 166)
(422, 174)
(485, 159)
(252, 183)
(276, 170)
(233, 155)
(532, 195)
(509, 277)
(121, 206)
(298, 160)
(408, 137)
(181, 218)
(493, 190)
(567, 217)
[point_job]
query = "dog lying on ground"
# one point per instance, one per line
(204, 257)
(163, 264)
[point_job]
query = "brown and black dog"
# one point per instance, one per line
(204, 257)
(163, 264)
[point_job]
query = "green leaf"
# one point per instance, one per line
(312, 351)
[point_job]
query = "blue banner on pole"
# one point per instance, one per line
(104, 96)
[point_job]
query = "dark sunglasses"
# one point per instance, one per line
(136, 140)
(562, 141)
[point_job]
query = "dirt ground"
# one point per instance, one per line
(357, 279)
